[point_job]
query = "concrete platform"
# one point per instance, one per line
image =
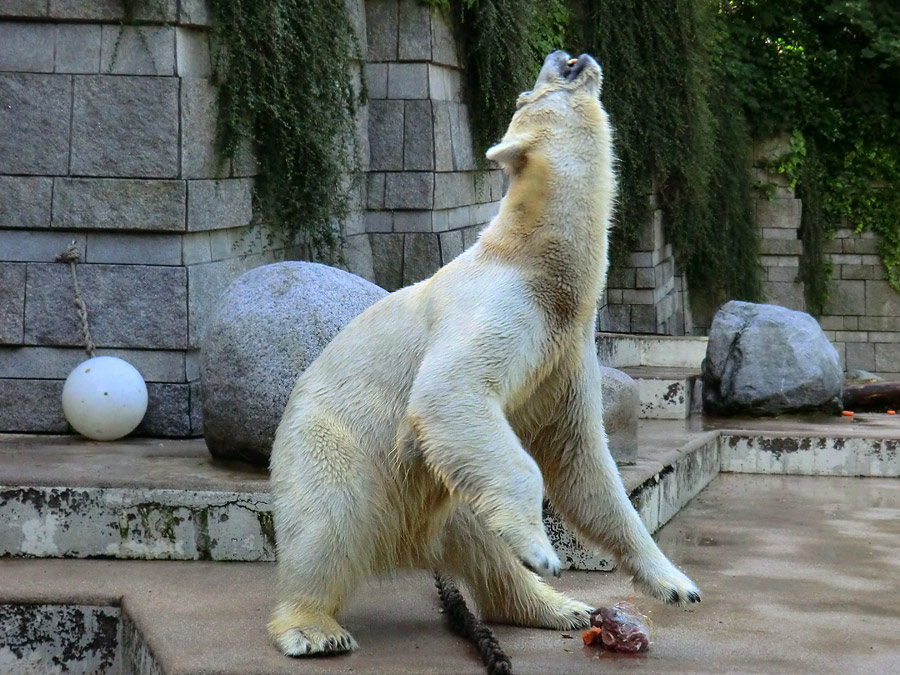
(800, 575)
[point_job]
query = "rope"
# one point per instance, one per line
(463, 622)
(71, 256)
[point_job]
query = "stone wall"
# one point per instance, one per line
(108, 141)
(425, 200)
(862, 317)
(647, 295)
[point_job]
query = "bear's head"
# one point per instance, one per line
(561, 119)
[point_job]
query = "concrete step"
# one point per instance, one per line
(623, 350)
(667, 393)
(168, 500)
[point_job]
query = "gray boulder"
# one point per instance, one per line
(766, 360)
(269, 325)
(621, 403)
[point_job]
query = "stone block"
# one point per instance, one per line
(77, 48)
(440, 220)
(498, 185)
(786, 294)
(453, 189)
(651, 236)
(379, 221)
(643, 318)
(847, 297)
(138, 306)
(781, 246)
(407, 81)
(482, 187)
(421, 257)
(412, 221)
(196, 409)
(444, 84)
(199, 110)
(779, 260)
(12, 303)
(55, 363)
(111, 203)
(644, 277)
(463, 159)
(158, 11)
(459, 217)
(36, 245)
(27, 47)
(778, 213)
(881, 300)
(245, 164)
(218, 204)
(786, 274)
(194, 13)
(34, 118)
(131, 50)
(443, 139)
(358, 253)
(414, 35)
(887, 357)
(133, 248)
(375, 190)
(776, 233)
(621, 277)
(484, 213)
(387, 260)
(418, 138)
(137, 118)
(32, 406)
(381, 30)
(444, 49)
(386, 135)
(192, 58)
(168, 411)
(846, 259)
(409, 190)
(451, 245)
(619, 319)
(25, 201)
(376, 80)
(858, 244)
(879, 323)
(23, 8)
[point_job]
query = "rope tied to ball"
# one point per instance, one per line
(72, 255)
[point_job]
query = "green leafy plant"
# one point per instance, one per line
(284, 69)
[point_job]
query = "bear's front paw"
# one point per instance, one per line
(670, 586)
(541, 559)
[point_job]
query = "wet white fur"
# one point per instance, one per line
(427, 433)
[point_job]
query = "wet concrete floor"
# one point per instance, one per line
(799, 574)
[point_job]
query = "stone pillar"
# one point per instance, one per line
(646, 294)
(425, 200)
(108, 140)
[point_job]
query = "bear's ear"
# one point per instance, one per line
(507, 152)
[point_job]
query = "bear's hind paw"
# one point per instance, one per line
(310, 641)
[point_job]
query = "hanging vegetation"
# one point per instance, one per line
(284, 71)
(828, 71)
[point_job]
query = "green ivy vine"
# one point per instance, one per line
(284, 72)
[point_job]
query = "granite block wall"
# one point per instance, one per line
(862, 317)
(425, 200)
(108, 141)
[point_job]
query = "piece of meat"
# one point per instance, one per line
(622, 627)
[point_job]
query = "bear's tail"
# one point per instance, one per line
(464, 623)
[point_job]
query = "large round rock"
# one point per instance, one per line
(270, 324)
(621, 404)
(766, 359)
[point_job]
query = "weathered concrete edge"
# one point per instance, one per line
(774, 453)
(134, 523)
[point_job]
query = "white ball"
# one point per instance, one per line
(104, 398)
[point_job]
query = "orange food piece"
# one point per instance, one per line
(593, 636)
(892, 412)
(847, 413)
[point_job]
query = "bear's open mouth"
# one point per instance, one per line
(572, 68)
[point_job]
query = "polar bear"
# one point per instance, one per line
(428, 431)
